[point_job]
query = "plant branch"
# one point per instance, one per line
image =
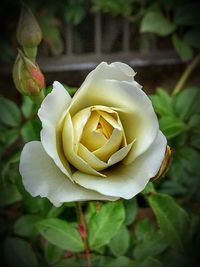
(83, 231)
(184, 77)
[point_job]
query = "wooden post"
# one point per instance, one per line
(69, 39)
(98, 33)
(126, 36)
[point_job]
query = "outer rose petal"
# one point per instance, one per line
(128, 180)
(50, 113)
(42, 177)
(115, 71)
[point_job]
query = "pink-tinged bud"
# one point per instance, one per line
(29, 33)
(27, 76)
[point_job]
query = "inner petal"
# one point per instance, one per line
(96, 132)
(104, 127)
(111, 146)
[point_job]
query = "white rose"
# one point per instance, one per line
(103, 144)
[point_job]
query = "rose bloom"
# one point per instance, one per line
(102, 144)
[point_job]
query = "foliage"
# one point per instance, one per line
(177, 22)
(179, 118)
(42, 235)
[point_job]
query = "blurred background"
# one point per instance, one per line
(156, 37)
(160, 39)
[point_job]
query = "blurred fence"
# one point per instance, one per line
(104, 38)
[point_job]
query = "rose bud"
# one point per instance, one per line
(29, 34)
(165, 164)
(27, 77)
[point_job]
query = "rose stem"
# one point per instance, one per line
(83, 231)
(184, 77)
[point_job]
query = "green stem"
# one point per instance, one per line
(31, 53)
(38, 98)
(184, 77)
(83, 231)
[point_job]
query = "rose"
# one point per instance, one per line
(104, 143)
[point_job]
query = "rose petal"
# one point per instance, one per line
(79, 121)
(68, 147)
(138, 119)
(111, 146)
(127, 181)
(98, 164)
(54, 104)
(115, 71)
(120, 154)
(90, 137)
(91, 159)
(42, 177)
(50, 113)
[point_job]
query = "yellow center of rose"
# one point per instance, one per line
(91, 140)
(101, 134)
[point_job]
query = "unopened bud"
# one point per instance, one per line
(29, 34)
(165, 164)
(27, 76)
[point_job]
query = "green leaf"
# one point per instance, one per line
(96, 261)
(177, 169)
(148, 262)
(55, 211)
(143, 228)
(73, 262)
(99, 260)
(131, 209)
(172, 188)
(162, 102)
(187, 102)
(195, 140)
(62, 234)
(183, 49)
(121, 261)
(117, 7)
(103, 226)
(10, 113)
(187, 14)
(190, 159)
(9, 194)
(51, 34)
(28, 107)
(18, 253)
(152, 243)
(71, 90)
(8, 137)
(194, 121)
(154, 21)
(53, 253)
(120, 243)
(172, 126)
(192, 37)
(31, 130)
(75, 12)
(148, 189)
(172, 219)
(25, 225)
(30, 204)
